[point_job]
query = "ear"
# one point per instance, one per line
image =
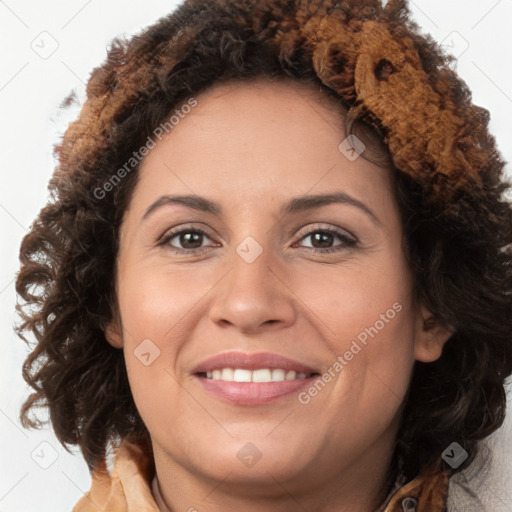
(113, 333)
(431, 336)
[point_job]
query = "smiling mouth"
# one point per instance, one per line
(244, 387)
(259, 375)
(257, 378)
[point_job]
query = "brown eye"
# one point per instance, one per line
(189, 240)
(322, 240)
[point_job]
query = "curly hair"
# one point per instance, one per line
(448, 172)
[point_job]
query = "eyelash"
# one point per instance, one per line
(347, 241)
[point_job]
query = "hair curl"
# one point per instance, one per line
(449, 174)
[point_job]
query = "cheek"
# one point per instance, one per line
(378, 357)
(367, 318)
(155, 305)
(360, 301)
(155, 301)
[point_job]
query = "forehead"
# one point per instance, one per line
(248, 140)
(281, 93)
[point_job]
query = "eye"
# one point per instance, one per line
(190, 239)
(322, 238)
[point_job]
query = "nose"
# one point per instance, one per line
(254, 295)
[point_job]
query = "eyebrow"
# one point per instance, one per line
(295, 205)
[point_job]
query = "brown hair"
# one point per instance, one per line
(448, 172)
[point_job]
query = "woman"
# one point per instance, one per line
(257, 368)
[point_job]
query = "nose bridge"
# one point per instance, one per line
(253, 294)
(252, 263)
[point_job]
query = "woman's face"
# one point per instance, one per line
(285, 260)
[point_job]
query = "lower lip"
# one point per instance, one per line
(253, 393)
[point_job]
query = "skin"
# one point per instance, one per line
(252, 147)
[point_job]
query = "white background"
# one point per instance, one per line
(478, 32)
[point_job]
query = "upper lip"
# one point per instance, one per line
(251, 361)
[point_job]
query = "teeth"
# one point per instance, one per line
(240, 375)
(228, 374)
(278, 375)
(264, 375)
(260, 375)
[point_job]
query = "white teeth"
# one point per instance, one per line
(277, 375)
(260, 375)
(240, 375)
(263, 375)
(228, 374)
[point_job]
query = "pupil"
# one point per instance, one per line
(325, 236)
(185, 239)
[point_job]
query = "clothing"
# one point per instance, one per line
(128, 488)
